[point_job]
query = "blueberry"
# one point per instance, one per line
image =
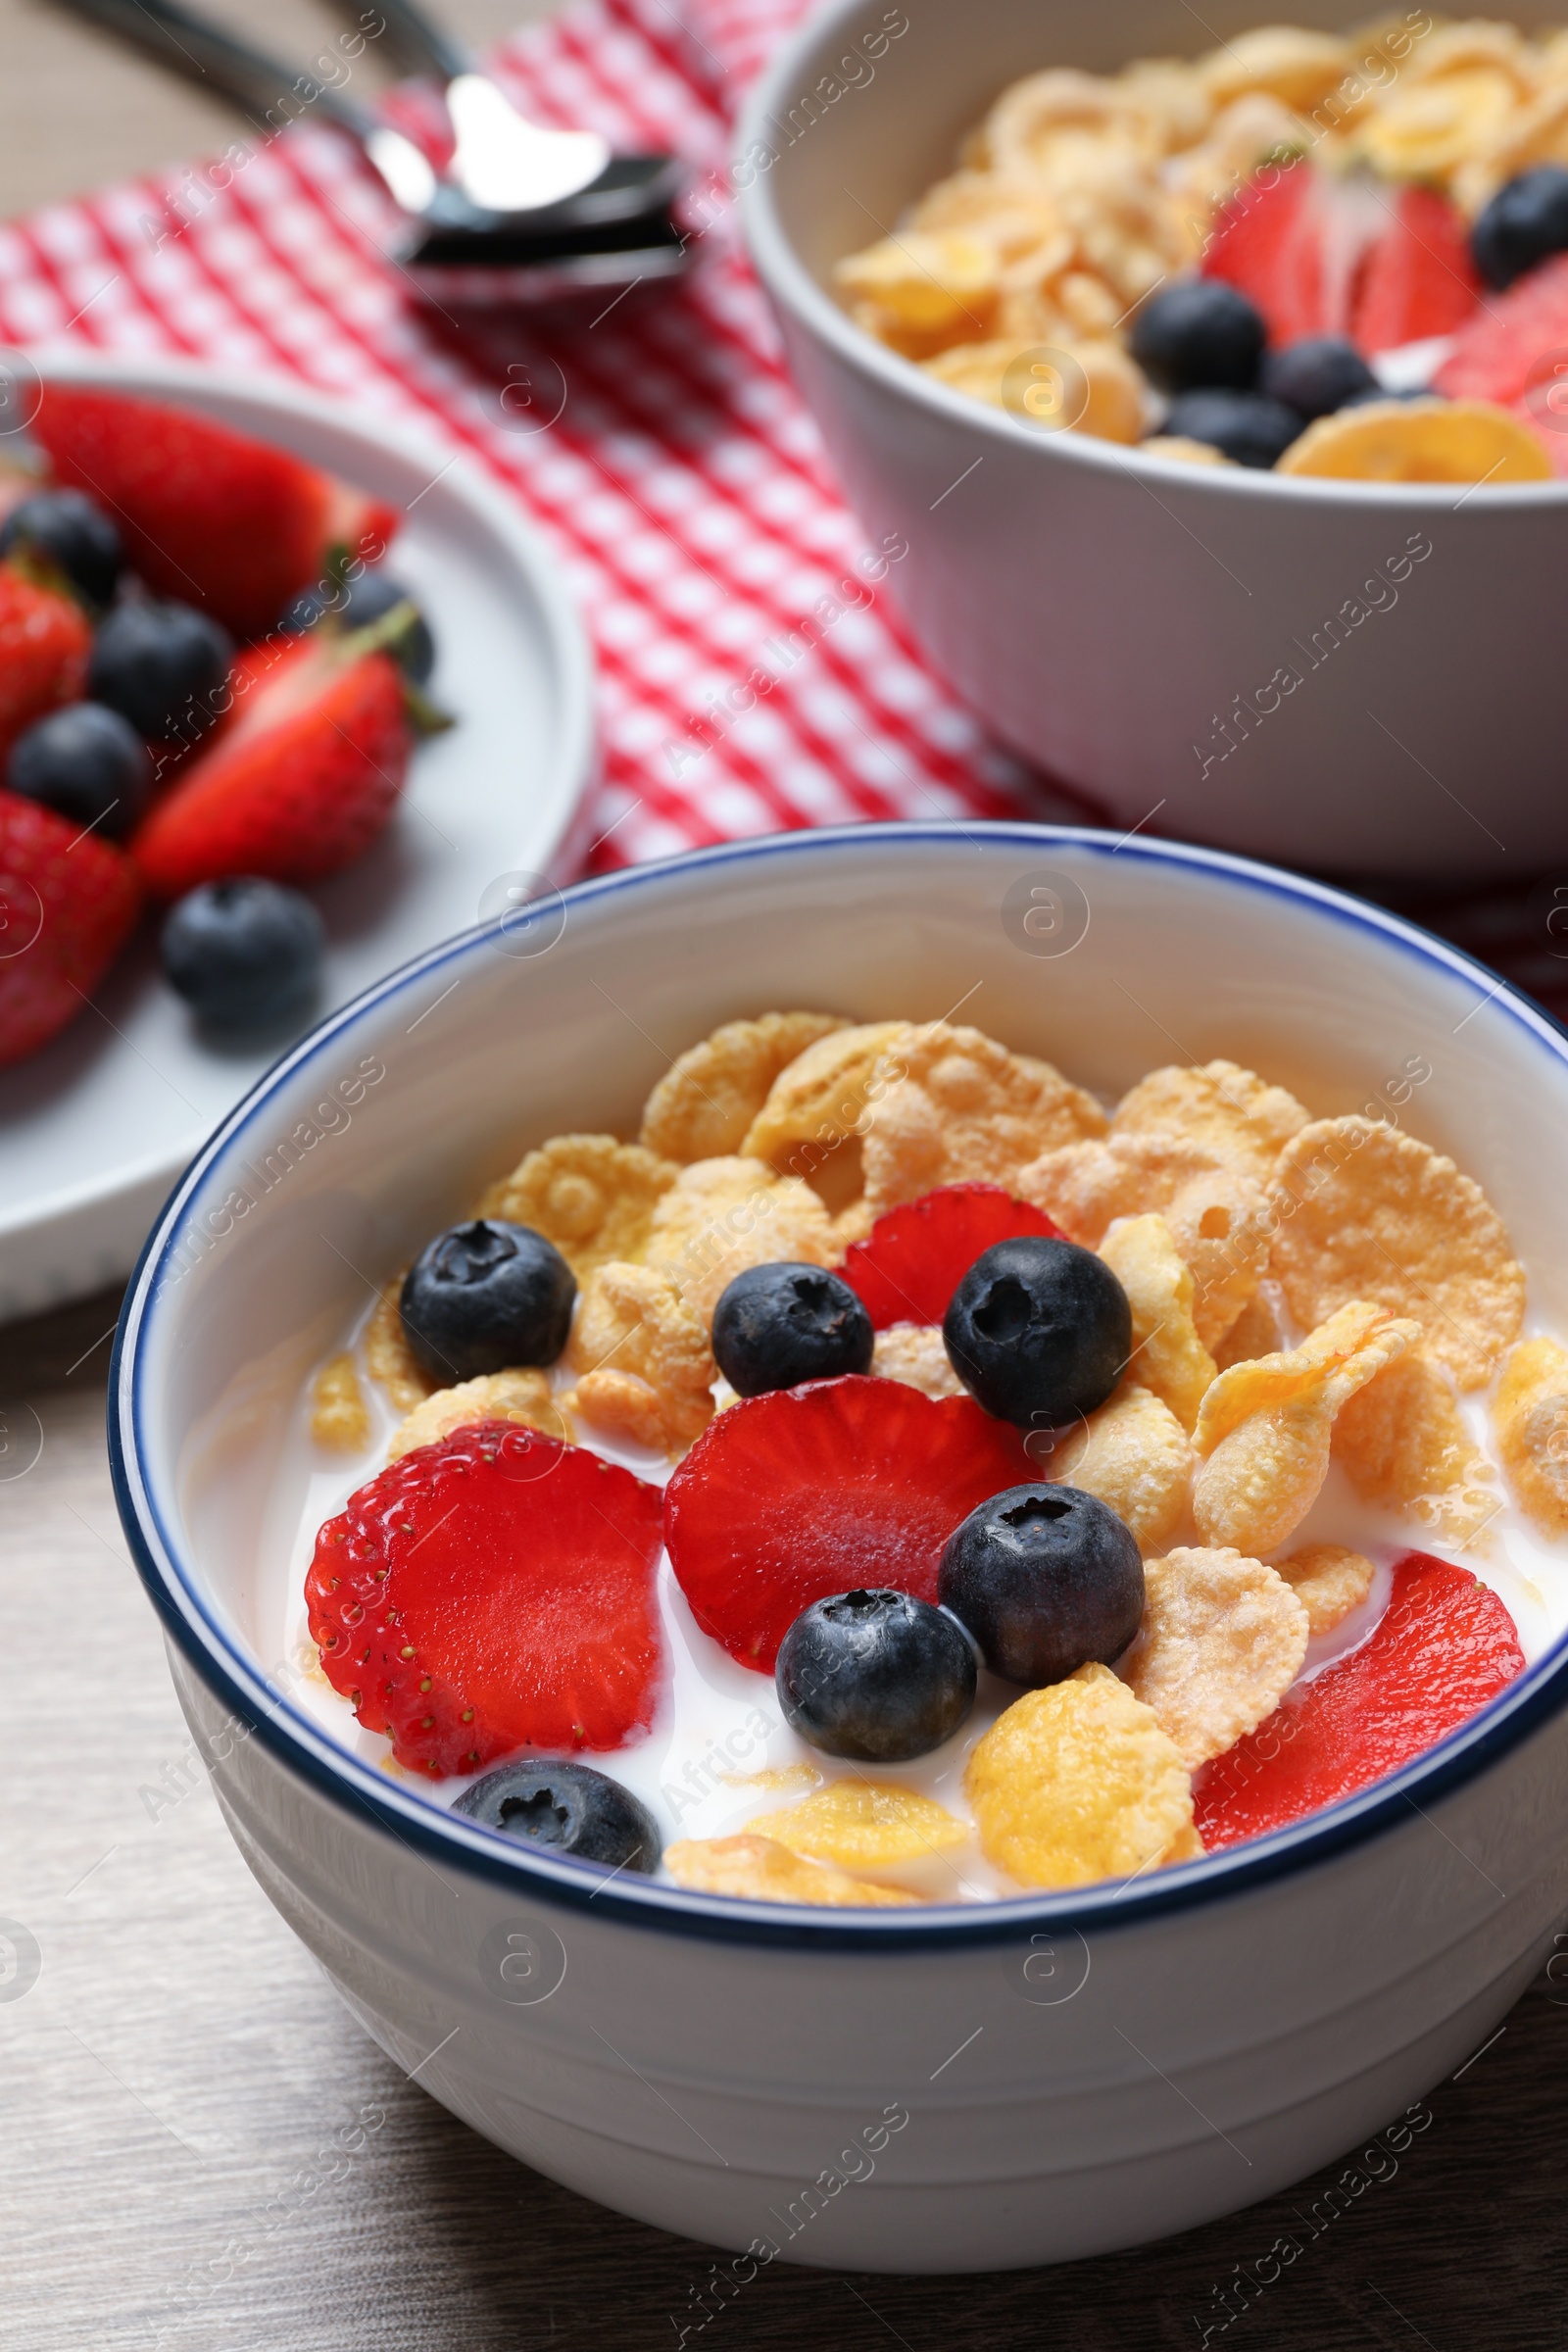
(244, 953)
(778, 1324)
(1039, 1330)
(486, 1296)
(1525, 221)
(1199, 333)
(88, 764)
(160, 665)
(876, 1676)
(69, 531)
(1247, 427)
(567, 1808)
(1046, 1579)
(359, 603)
(1317, 375)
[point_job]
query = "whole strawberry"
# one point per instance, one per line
(301, 778)
(68, 903)
(44, 642)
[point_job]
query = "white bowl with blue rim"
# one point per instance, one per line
(1361, 677)
(940, 2089)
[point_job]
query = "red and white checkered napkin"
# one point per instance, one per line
(682, 483)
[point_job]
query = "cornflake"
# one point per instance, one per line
(965, 1110)
(591, 1196)
(914, 1353)
(520, 1395)
(1135, 1456)
(1255, 1331)
(722, 1215)
(1401, 1441)
(1531, 1419)
(707, 1101)
(1367, 1212)
(769, 1873)
(1077, 1783)
(1420, 441)
(1168, 1357)
(1222, 1639)
(644, 1366)
(1266, 1425)
(865, 1825)
(817, 1108)
(1328, 1581)
(1231, 1112)
(388, 1357)
(339, 1415)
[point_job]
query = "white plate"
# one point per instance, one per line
(94, 1129)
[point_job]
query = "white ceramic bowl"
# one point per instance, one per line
(1103, 610)
(1077, 2072)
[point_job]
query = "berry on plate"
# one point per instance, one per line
(878, 1676)
(300, 780)
(1040, 1331)
(1247, 428)
(1197, 333)
(485, 1297)
(1317, 375)
(243, 953)
(1046, 1579)
(63, 529)
(206, 511)
(1445, 1646)
(43, 652)
(915, 1256)
(777, 1325)
(68, 901)
(87, 763)
(788, 1498)
(1526, 222)
(567, 1808)
(491, 1592)
(162, 665)
(356, 604)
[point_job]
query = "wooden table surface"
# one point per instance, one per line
(176, 2061)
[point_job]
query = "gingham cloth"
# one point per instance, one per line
(682, 483)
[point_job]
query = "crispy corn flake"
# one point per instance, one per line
(707, 1101)
(1234, 1115)
(339, 1418)
(768, 1873)
(1222, 1639)
(1530, 1414)
(1420, 441)
(1265, 1427)
(1402, 1442)
(1328, 1581)
(1185, 1846)
(914, 1353)
(644, 1364)
(1296, 67)
(1429, 130)
(388, 1357)
(865, 1825)
(520, 1395)
(591, 1196)
(722, 1215)
(1168, 1357)
(819, 1107)
(925, 287)
(1077, 1783)
(1135, 1456)
(1255, 1331)
(1367, 1212)
(965, 1110)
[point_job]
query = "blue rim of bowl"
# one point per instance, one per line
(356, 1787)
(792, 287)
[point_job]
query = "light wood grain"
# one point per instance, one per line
(168, 2084)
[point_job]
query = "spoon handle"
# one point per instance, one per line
(423, 42)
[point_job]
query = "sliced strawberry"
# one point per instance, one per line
(492, 1591)
(68, 903)
(1417, 278)
(915, 1255)
(1445, 1646)
(841, 1484)
(1269, 242)
(1516, 352)
(303, 776)
(208, 515)
(44, 643)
